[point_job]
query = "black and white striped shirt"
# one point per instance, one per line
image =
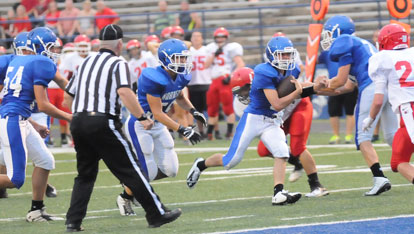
(95, 84)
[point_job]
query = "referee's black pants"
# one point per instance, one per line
(101, 137)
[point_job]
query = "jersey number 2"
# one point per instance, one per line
(15, 82)
(406, 74)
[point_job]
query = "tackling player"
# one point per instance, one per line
(224, 58)
(262, 118)
(352, 54)
(391, 71)
(26, 80)
(158, 88)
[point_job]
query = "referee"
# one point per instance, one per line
(101, 81)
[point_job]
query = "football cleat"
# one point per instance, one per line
(3, 193)
(194, 174)
(334, 140)
(124, 206)
(168, 217)
(381, 184)
(318, 192)
(348, 139)
(41, 216)
(74, 228)
(284, 197)
(51, 191)
(295, 175)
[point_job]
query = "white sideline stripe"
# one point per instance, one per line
(306, 217)
(213, 201)
(228, 217)
(314, 224)
(60, 150)
(268, 172)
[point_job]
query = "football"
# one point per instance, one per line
(285, 87)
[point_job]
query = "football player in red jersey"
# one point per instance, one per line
(224, 59)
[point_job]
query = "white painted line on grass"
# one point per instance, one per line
(228, 217)
(306, 217)
(313, 224)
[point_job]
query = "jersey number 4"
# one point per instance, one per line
(15, 82)
(407, 74)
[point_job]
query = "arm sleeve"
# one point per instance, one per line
(236, 50)
(44, 70)
(71, 87)
(341, 50)
(378, 70)
(122, 75)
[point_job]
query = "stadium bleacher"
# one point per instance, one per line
(247, 20)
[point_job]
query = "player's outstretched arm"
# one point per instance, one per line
(341, 77)
(129, 99)
(45, 106)
(60, 80)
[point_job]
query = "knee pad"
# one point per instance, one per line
(394, 165)
(262, 150)
(170, 168)
(44, 160)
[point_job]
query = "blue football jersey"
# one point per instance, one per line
(348, 49)
(4, 64)
(23, 73)
(330, 65)
(158, 83)
(265, 77)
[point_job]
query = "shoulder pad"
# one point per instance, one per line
(152, 75)
(4, 64)
(235, 49)
(341, 46)
(379, 64)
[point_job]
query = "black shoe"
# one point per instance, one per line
(74, 227)
(218, 136)
(3, 193)
(51, 191)
(168, 217)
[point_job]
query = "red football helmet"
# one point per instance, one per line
(177, 30)
(83, 44)
(392, 37)
(153, 38)
(279, 34)
(221, 32)
(133, 44)
(95, 42)
(2, 50)
(166, 33)
(59, 43)
(240, 82)
(68, 47)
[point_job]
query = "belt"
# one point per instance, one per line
(21, 118)
(96, 114)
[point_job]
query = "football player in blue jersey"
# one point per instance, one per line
(158, 88)
(352, 54)
(26, 80)
(262, 118)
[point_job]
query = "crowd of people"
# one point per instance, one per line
(166, 84)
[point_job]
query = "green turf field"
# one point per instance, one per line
(222, 200)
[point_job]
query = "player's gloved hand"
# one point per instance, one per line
(366, 123)
(191, 135)
(199, 116)
(226, 80)
(218, 52)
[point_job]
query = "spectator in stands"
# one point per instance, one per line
(86, 22)
(110, 16)
(188, 21)
(21, 26)
(67, 28)
(163, 20)
(52, 14)
(7, 28)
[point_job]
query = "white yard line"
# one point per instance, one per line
(313, 224)
(306, 217)
(228, 217)
(208, 202)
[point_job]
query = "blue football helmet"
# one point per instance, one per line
(334, 27)
(280, 53)
(43, 40)
(20, 43)
(174, 56)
